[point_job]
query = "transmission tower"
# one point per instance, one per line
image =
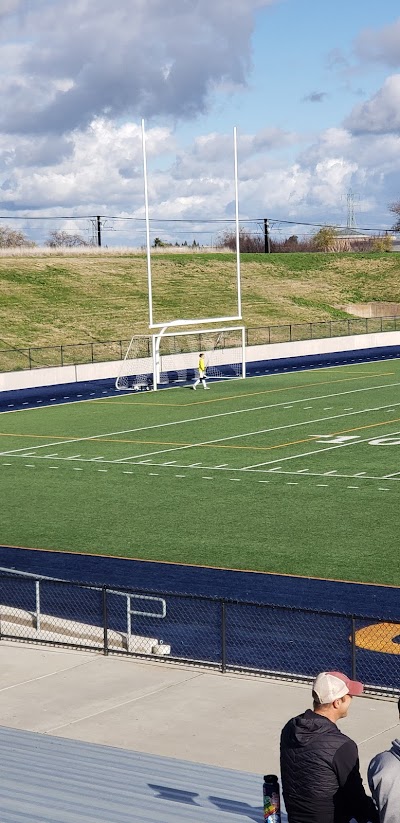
(351, 221)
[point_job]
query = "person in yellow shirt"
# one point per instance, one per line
(202, 373)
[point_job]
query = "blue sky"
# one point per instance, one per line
(313, 88)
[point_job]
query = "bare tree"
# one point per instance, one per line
(249, 243)
(11, 238)
(395, 209)
(62, 239)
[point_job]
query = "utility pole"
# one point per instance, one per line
(267, 239)
(98, 224)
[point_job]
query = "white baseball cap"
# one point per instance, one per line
(329, 686)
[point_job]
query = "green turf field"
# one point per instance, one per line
(295, 473)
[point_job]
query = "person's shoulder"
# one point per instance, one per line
(384, 760)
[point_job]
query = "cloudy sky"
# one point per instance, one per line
(312, 87)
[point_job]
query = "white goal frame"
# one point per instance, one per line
(172, 322)
(225, 359)
(122, 381)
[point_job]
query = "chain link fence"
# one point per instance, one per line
(220, 633)
(35, 357)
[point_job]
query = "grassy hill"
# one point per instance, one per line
(54, 299)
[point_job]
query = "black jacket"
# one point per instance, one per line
(320, 774)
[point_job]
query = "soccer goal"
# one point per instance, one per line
(136, 369)
(176, 353)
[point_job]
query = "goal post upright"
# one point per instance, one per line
(146, 212)
(238, 278)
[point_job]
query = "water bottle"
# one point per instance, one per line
(272, 803)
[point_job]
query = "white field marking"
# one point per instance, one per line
(275, 469)
(349, 409)
(180, 475)
(249, 434)
(235, 479)
(383, 490)
(263, 481)
(92, 459)
(302, 471)
(222, 466)
(76, 469)
(102, 470)
(313, 453)
(353, 487)
(386, 476)
(47, 456)
(152, 474)
(7, 464)
(188, 420)
(72, 457)
(291, 483)
(207, 478)
(322, 485)
(114, 395)
(195, 465)
(127, 472)
(334, 471)
(307, 407)
(29, 465)
(360, 474)
(53, 467)
(332, 475)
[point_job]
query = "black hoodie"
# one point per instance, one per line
(320, 773)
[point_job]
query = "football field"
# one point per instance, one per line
(296, 473)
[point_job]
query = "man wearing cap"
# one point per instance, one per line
(320, 773)
(384, 781)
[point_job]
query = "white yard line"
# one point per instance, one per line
(312, 453)
(250, 434)
(193, 419)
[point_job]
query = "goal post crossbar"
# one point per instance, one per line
(196, 322)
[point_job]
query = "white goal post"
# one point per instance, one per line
(175, 354)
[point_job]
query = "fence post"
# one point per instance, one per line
(61, 356)
(353, 649)
(223, 636)
(105, 631)
(37, 602)
(30, 358)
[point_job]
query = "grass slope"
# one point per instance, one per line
(54, 300)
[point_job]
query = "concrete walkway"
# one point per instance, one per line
(226, 720)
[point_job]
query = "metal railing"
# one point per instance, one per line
(35, 357)
(228, 635)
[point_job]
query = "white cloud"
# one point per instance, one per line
(135, 57)
(380, 114)
(382, 46)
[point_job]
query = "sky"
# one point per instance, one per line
(313, 89)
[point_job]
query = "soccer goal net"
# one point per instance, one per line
(174, 358)
(136, 369)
